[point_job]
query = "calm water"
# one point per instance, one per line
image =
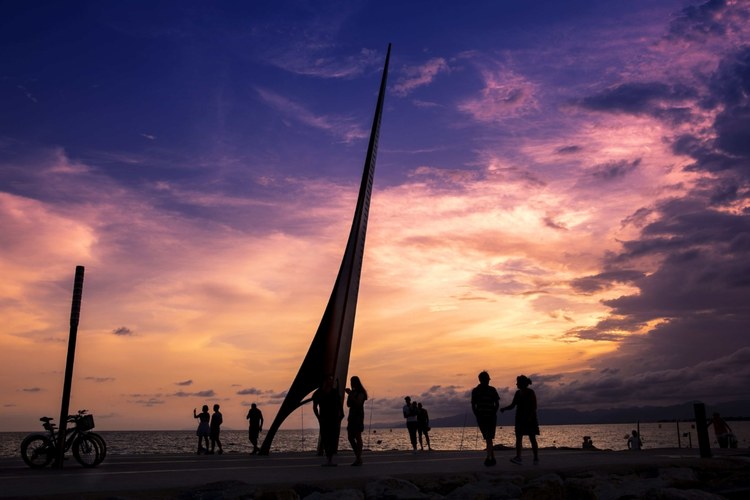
(609, 436)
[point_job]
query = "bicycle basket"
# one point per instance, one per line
(85, 423)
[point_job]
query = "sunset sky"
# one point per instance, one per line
(562, 190)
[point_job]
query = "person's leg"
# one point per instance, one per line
(534, 447)
(421, 443)
(519, 447)
(413, 435)
(199, 444)
(427, 437)
(254, 441)
(355, 438)
(723, 441)
(218, 443)
(352, 436)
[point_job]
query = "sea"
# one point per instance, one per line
(604, 436)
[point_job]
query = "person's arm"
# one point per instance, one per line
(315, 407)
(260, 427)
(195, 415)
(512, 403)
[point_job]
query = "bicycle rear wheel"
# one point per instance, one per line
(102, 445)
(86, 451)
(37, 451)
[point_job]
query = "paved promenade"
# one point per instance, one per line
(151, 473)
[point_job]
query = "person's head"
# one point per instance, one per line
(522, 381)
(414, 404)
(484, 377)
(216, 407)
(408, 400)
(253, 406)
(419, 405)
(205, 407)
(356, 383)
(635, 433)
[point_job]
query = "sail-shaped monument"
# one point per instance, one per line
(329, 351)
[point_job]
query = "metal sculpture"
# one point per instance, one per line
(329, 351)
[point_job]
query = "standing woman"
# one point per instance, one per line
(355, 400)
(204, 429)
(526, 421)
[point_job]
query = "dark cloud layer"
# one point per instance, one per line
(684, 334)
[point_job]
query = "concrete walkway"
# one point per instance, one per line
(152, 473)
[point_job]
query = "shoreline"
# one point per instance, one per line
(401, 474)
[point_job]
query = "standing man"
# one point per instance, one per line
(412, 422)
(423, 419)
(484, 403)
(255, 417)
(329, 411)
(216, 420)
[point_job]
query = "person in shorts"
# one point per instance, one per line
(484, 403)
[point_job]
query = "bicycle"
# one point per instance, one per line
(40, 449)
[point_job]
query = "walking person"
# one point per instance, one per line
(355, 400)
(255, 419)
(204, 429)
(527, 423)
(423, 427)
(412, 424)
(484, 404)
(327, 408)
(215, 429)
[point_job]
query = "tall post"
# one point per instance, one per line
(701, 428)
(328, 354)
(75, 314)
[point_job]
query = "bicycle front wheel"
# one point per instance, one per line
(86, 451)
(37, 451)
(102, 445)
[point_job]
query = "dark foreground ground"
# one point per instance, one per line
(663, 473)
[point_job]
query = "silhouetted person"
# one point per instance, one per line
(355, 400)
(634, 441)
(484, 403)
(412, 424)
(255, 418)
(204, 429)
(423, 427)
(588, 444)
(327, 407)
(216, 421)
(722, 431)
(524, 400)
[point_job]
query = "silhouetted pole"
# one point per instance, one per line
(75, 314)
(701, 428)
